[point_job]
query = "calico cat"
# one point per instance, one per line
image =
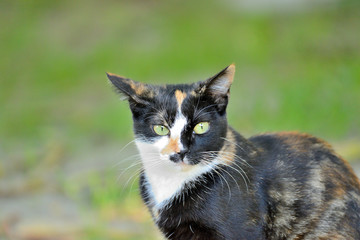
(203, 180)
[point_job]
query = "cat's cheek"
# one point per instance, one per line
(161, 142)
(151, 148)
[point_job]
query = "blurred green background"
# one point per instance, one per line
(64, 171)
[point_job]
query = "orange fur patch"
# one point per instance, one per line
(228, 151)
(139, 88)
(172, 147)
(301, 141)
(230, 72)
(180, 96)
(115, 75)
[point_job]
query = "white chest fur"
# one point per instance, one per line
(165, 177)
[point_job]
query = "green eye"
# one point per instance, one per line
(161, 130)
(201, 128)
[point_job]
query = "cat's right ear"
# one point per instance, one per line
(129, 89)
(218, 87)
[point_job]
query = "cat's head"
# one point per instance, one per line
(183, 124)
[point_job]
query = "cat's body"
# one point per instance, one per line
(203, 180)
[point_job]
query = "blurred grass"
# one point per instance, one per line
(295, 71)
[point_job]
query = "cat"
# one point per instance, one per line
(203, 180)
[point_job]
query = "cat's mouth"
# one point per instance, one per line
(182, 158)
(187, 162)
(179, 160)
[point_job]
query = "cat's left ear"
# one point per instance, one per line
(134, 92)
(218, 86)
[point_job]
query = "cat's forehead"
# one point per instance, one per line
(177, 91)
(171, 94)
(168, 101)
(176, 101)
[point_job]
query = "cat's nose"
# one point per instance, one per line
(177, 157)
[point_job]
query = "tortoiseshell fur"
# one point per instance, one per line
(273, 186)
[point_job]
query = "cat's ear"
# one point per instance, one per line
(129, 89)
(218, 86)
(220, 83)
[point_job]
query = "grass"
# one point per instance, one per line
(299, 71)
(295, 71)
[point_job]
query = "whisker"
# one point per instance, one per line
(125, 160)
(231, 154)
(242, 176)
(220, 175)
(242, 170)
(239, 169)
(128, 168)
(202, 110)
(137, 172)
(202, 114)
(222, 167)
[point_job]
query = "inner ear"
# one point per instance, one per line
(219, 84)
(217, 87)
